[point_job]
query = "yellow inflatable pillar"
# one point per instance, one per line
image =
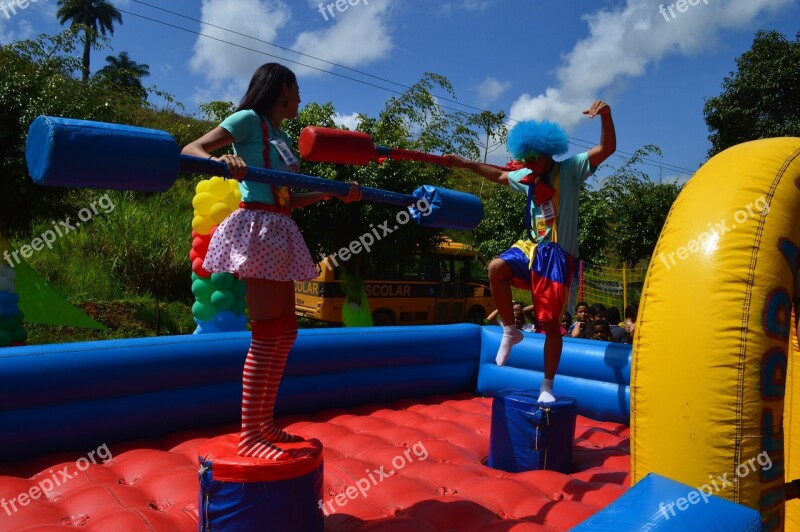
(710, 355)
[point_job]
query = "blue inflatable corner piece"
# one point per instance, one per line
(661, 504)
(527, 435)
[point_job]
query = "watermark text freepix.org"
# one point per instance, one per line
(373, 478)
(681, 5)
(365, 241)
(341, 7)
(720, 482)
(12, 5)
(56, 479)
(47, 238)
(708, 239)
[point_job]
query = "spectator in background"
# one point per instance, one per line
(566, 323)
(578, 329)
(518, 307)
(618, 334)
(601, 330)
(631, 311)
(597, 311)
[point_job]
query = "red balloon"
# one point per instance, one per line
(200, 245)
(197, 268)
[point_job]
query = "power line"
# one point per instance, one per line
(577, 142)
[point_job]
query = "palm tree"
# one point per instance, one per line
(96, 15)
(124, 71)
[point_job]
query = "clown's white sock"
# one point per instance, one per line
(546, 392)
(511, 337)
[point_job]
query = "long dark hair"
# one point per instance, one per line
(265, 87)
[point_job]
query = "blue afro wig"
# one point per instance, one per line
(541, 138)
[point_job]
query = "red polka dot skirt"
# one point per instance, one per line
(260, 244)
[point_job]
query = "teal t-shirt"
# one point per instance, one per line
(247, 129)
(565, 178)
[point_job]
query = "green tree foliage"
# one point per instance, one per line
(94, 17)
(493, 131)
(761, 99)
(621, 220)
(143, 243)
(125, 73)
(36, 80)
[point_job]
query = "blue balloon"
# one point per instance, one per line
(229, 322)
(206, 327)
(5, 298)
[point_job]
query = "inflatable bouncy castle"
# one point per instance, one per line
(405, 413)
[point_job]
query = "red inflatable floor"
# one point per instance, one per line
(422, 460)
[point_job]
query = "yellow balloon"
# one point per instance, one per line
(218, 188)
(219, 212)
(202, 186)
(202, 224)
(203, 202)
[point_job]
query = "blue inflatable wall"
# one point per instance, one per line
(127, 389)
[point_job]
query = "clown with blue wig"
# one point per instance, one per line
(543, 263)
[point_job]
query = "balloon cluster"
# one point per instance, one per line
(11, 331)
(219, 297)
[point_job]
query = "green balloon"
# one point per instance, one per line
(222, 280)
(238, 306)
(5, 338)
(238, 288)
(202, 289)
(203, 312)
(20, 317)
(8, 324)
(19, 335)
(222, 299)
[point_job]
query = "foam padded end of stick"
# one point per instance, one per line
(338, 146)
(66, 152)
(446, 209)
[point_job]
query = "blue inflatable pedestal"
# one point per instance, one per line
(527, 435)
(246, 494)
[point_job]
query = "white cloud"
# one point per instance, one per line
(349, 121)
(623, 42)
(491, 89)
(220, 62)
(357, 36)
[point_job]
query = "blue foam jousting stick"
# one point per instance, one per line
(68, 152)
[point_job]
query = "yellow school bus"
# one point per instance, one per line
(448, 286)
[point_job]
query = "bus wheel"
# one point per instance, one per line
(382, 318)
(476, 315)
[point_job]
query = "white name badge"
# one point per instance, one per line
(287, 155)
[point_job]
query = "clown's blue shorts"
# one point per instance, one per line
(545, 270)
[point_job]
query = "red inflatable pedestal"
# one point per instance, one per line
(240, 493)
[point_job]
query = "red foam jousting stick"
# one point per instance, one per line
(326, 145)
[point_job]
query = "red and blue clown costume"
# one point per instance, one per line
(544, 263)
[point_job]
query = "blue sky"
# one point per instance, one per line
(542, 59)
